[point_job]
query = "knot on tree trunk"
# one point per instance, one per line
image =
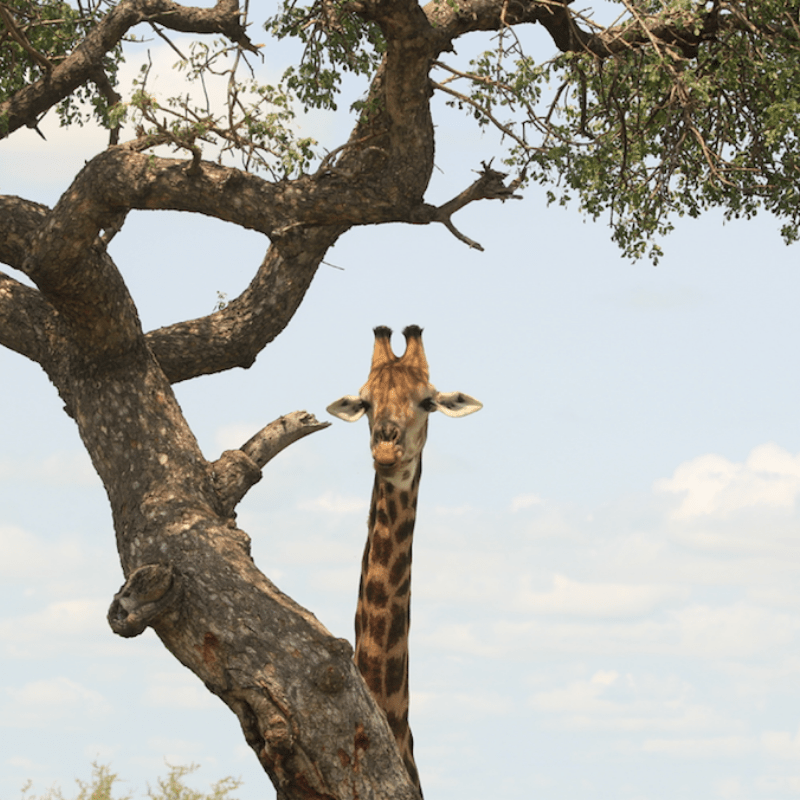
(234, 472)
(149, 592)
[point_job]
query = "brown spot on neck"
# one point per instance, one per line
(383, 613)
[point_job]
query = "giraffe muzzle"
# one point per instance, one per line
(386, 455)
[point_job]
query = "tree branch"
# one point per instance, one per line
(25, 319)
(489, 186)
(235, 471)
(681, 28)
(235, 335)
(26, 106)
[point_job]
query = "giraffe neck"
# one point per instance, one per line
(384, 604)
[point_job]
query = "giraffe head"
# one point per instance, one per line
(397, 399)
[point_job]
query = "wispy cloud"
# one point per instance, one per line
(331, 502)
(40, 702)
(525, 501)
(703, 748)
(61, 468)
(573, 598)
(610, 701)
(177, 690)
(713, 485)
(57, 627)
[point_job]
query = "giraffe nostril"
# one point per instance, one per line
(386, 432)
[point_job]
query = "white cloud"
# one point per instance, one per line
(338, 580)
(460, 576)
(233, 436)
(26, 147)
(56, 626)
(41, 702)
(584, 695)
(729, 788)
(177, 690)
(460, 705)
(72, 468)
(781, 744)
(315, 550)
(456, 511)
(771, 784)
(573, 598)
(525, 501)
(101, 752)
(713, 633)
(331, 502)
(460, 638)
(28, 556)
(176, 752)
(611, 701)
(713, 485)
(739, 630)
(703, 748)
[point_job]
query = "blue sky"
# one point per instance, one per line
(605, 599)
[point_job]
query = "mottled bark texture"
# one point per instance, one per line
(301, 703)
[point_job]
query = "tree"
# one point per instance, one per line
(672, 109)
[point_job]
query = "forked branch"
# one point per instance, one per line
(489, 186)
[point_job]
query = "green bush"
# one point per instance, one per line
(101, 787)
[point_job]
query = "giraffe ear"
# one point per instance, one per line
(456, 404)
(348, 408)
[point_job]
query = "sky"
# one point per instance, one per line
(607, 556)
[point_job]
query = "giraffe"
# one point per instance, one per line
(397, 399)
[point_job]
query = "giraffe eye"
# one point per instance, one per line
(428, 404)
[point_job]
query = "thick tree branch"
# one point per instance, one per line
(91, 296)
(235, 471)
(66, 259)
(25, 319)
(120, 179)
(450, 21)
(235, 335)
(683, 28)
(19, 220)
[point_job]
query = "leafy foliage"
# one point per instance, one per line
(258, 124)
(172, 787)
(255, 124)
(334, 41)
(662, 127)
(37, 35)
(34, 36)
(681, 106)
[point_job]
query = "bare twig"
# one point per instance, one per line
(499, 125)
(324, 164)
